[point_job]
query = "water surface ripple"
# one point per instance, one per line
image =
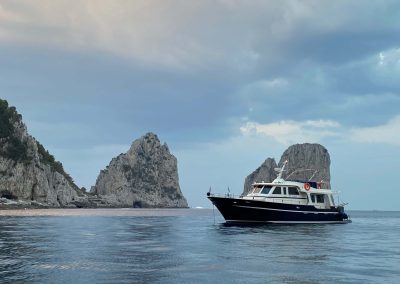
(186, 246)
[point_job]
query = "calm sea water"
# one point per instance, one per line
(186, 246)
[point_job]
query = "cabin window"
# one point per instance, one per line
(257, 189)
(285, 190)
(277, 190)
(266, 189)
(320, 198)
(293, 191)
(332, 201)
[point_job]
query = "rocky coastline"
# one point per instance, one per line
(30, 177)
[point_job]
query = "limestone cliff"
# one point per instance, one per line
(308, 157)
(265, 172)
(145, 176)
(27, 171)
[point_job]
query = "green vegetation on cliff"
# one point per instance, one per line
(48, 159)
(8, 115)
(13, 148)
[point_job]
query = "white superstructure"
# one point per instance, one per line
(292, 192)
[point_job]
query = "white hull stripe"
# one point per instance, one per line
(294, 211)
(289, 222)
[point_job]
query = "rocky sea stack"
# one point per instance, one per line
(28, 172)
(145, 176)
(309, 157)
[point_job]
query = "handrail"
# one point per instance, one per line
(228, 195)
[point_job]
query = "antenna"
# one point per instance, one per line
(280, 170)
(316, 171)
(301, 170)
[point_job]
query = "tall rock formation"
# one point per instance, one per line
(309, 158)
(303, 161)
(145, 176)
(27, 171)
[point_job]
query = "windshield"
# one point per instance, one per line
(257, 189)
(266, 189)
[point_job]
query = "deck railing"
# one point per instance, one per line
(227, 195)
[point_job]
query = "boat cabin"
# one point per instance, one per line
(292, 192)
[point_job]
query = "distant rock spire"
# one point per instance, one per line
(145, 176)
(311, 158)
(308, 157)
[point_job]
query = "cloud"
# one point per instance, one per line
(265, 86)
(290, 132)
(388, 133)
(386, 70)
(179, 34)
(390, 58)
(198, 66)
(8, 16)
(152, 32)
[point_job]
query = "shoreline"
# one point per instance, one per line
(118, 212)
(9, 204)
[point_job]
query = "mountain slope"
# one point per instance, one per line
(27, 171)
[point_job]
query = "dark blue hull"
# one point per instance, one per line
(245, 211)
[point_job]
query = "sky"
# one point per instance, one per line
(226, 84)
